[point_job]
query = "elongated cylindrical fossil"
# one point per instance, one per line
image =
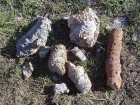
(80, 78)
(113, 66)
(84, 28)
(58, 59)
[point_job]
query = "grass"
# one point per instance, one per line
(18, 16)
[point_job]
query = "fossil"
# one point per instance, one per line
(79, 77)
(84, 28)
(78, 53)
(30, 43)
(57, 59)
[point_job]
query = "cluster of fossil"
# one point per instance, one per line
(84, 32)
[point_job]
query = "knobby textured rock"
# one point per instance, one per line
(79, 77)
(36, 37)
(84, 28)
(113, 66)
(27, 70)
(60, 88)
(57, 59)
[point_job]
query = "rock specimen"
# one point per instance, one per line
(27, 70)
(36, 37)
(57, 59)
(60, 88)
(113, 66)
(78, 53)
(84, 28)
(44, 51)
(79, 77)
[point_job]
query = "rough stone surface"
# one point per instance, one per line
(36, 37)
(60, 88)
(44, 51)
(78, 53)
(79, 77)
(58, 59)
(84, 28)
(113, 66)
(27, 70)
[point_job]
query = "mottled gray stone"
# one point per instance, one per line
(27, 70)
(84, 28)
(79, 77)
(60, 88)
(36, 37)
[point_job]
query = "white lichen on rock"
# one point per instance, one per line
(60, 88)
(78, 53)
(84, 28)
(80, 78)
(58, 59)
(27, 70)
(36, 37)
(44, 51)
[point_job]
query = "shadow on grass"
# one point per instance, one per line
(98, 74)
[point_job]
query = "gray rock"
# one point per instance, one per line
(44, 51)
(37, 36)
(79, 77)
(60, 88)
(135, 36)
(120, 22)
(27, 70)
(84, 28)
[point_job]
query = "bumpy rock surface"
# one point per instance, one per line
(27, 70)
(36, 37)
(58, 59)
(84, 28)
(60, 88)
(78, 53)
(79, 77)
(113, 66)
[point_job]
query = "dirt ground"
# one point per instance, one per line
(38, 90)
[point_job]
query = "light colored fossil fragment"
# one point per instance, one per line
(44, 51)
(79, 77)
(78, 53)
(58, 59)
(27, 70)
(36, 37)
(60, 88)
(84, 28)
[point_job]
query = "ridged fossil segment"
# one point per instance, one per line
(113, 66)
(79, 77)
(36, 37)
(84, 28)
(57, 59)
